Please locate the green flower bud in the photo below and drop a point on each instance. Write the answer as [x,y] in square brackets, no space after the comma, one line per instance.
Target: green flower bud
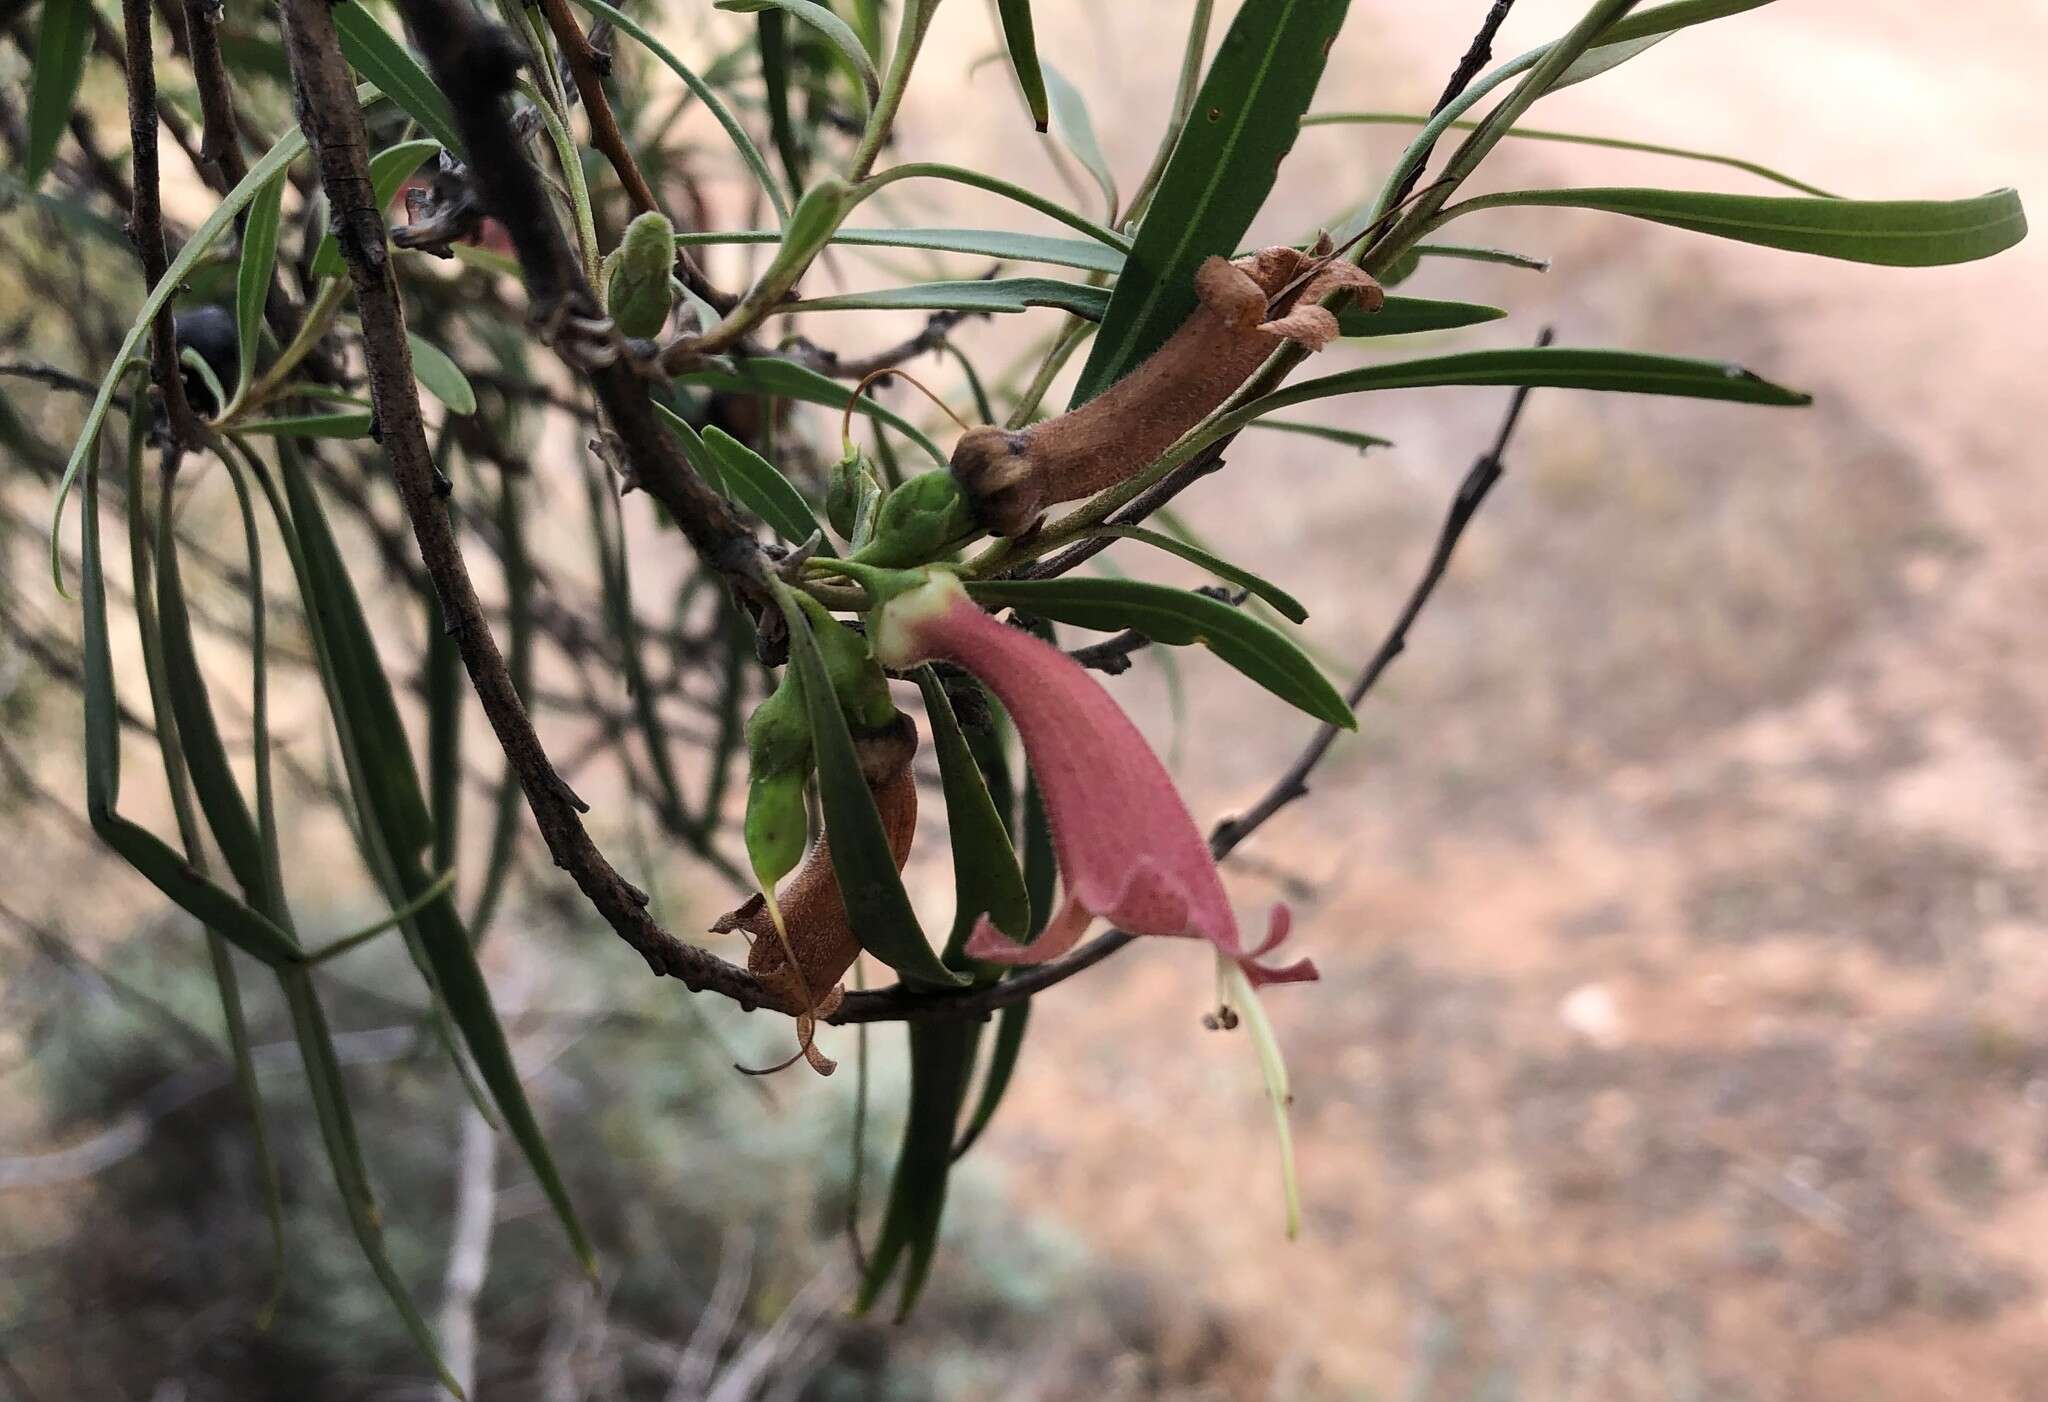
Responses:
[857,679]
[636,276]
[775,826]
[917,522]
[779,763]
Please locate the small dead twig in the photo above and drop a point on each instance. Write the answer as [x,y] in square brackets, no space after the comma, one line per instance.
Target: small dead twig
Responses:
[146,219]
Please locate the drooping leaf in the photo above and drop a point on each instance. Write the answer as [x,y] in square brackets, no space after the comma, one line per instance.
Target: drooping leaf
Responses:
[252,276]
[1889,233]
[205,754]
[152,858]
[389,170]
[1089,254]
[1022,45]
[373,52]
[877,906]
[329,1094]
[837,33]
[785,379]
[941,1057]
[388,793]
[995,296]
[1011,1024]
[1176,617]
[440,376]
[1288,606]
[986,880]
[1243,123]
[1076,130]
[63,38]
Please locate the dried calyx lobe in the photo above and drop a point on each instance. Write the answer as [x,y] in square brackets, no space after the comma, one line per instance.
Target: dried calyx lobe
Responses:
[1246,311]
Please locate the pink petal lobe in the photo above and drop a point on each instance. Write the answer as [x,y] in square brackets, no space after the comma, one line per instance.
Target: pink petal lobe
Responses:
[1128,848]
[1061,934]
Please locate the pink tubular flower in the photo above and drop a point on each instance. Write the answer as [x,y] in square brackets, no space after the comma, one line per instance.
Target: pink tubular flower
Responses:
[1128,849]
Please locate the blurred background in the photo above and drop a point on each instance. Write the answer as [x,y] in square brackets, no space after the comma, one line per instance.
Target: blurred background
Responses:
[1679,904]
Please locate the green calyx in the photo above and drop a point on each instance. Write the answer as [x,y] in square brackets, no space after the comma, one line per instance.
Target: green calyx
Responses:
[918,522]
[779,764]
[636,277]
[857,680]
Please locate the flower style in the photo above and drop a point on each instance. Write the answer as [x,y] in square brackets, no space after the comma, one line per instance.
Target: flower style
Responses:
[1128,849]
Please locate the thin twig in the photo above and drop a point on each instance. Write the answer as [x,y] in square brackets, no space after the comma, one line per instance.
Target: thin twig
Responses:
[894,1003]
[146,220]
[220,149]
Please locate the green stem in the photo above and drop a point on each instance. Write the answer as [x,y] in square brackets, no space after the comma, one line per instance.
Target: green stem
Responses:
[1183,103]
[910,32]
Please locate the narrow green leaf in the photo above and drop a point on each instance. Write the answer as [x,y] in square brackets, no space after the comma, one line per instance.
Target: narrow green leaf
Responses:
[373,52]
[995,296]
[737,134]
[389,170]
[1408,316]
[1008,189]
[941,1058]
[1288,606]
[986,880]
[205,754]
[1177,617]
[1243,123]
[288,147]
[748,478]
[252,276]
[507,809]
[1889,233]
[765,491]
[219,954]
[446,688]
[363,694]
[388,793]
[837,33]
[785,379]
[1607,143]
[63,38]
[1560,367]
[1634,34]
[1088,254]
[1076,131]
[1022,45]
[1364,442]
[1011,1024]
[771,29]
[876,904]
[329,1093]
[1507,257]
[440,376]
[348,425]
[176,878]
